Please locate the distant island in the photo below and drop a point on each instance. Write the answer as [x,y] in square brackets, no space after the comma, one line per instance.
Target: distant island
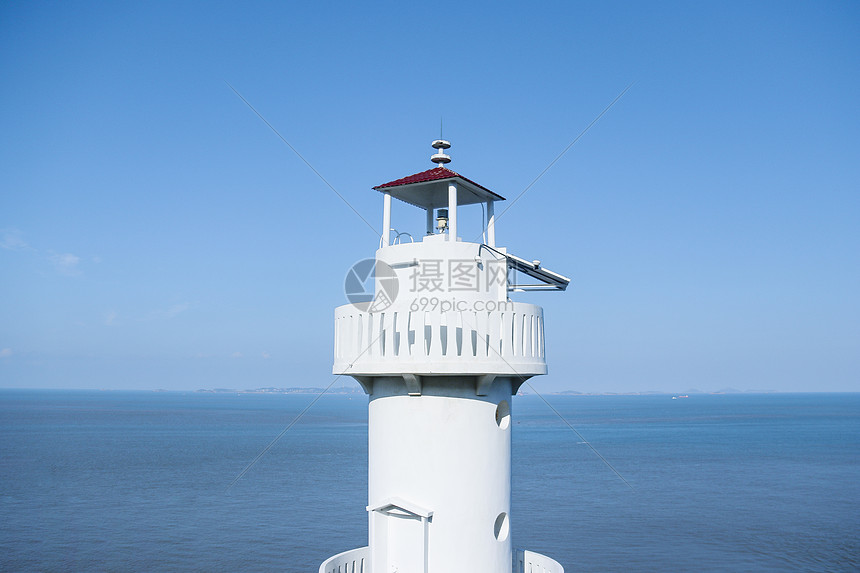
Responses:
[296,390]
[357,390]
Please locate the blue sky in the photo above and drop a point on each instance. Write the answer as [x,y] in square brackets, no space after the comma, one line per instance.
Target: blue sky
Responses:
[156,234]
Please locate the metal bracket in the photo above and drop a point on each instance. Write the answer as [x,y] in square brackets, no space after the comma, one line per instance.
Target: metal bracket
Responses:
[484,382]
[413,384]
[366,383]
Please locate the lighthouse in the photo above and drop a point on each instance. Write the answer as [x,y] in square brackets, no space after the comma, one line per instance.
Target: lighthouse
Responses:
[435,340]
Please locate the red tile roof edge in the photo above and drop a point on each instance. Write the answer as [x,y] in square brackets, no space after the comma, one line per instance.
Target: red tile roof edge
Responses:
[435,174]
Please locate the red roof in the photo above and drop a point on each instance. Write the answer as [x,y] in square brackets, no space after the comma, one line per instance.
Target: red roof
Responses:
[435,174]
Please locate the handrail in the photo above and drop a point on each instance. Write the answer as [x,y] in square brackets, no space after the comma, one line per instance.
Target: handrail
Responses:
[397,235]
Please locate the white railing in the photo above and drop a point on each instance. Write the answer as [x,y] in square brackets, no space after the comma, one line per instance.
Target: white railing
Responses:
[508,341]
[531,562]
[352,561]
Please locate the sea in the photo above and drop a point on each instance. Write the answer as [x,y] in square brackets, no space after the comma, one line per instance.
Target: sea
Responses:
[147,481]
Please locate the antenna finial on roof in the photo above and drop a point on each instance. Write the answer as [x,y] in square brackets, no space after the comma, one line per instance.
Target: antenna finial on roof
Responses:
[440,158]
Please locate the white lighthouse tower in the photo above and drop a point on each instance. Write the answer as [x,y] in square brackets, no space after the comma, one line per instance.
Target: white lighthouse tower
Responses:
[440,348]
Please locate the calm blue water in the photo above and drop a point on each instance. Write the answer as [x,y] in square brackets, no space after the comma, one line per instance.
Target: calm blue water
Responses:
[114,481]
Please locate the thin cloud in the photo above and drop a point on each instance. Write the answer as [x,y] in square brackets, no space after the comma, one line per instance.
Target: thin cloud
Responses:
[11,240]
[110,319]
[171,312]
[65,264]
[176,309]
[6,353]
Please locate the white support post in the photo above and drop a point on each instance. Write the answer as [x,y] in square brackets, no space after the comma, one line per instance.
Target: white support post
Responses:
[491,223]
[452,212]
[386,218]
[429,220]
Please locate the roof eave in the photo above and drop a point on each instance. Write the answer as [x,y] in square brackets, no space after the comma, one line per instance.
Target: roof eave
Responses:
[476,188]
